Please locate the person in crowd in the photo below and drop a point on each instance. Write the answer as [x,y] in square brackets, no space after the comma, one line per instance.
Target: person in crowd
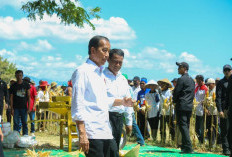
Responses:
[166,109]
[141,113]
[33,94]
[1,139]
[174,81]
[20,102]
[90,103]
[8,111]
[54,90]
[117,87]
[200,94]
[228,108]
[68,91]
[136,87]
[153,100]
[135,129]
[221,94]
[3,95]
[38,87]
[211,113]
[183,96]
[43,94]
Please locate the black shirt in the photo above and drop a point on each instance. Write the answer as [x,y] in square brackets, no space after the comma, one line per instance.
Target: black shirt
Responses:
[228,102]
[221,94]
[3,92]
[183,93]
[19,92]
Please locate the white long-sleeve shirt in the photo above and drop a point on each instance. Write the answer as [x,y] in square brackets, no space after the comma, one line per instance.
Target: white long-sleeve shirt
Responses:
[117,87]
[43,96]
[90,102]
[166,95]
[151,100]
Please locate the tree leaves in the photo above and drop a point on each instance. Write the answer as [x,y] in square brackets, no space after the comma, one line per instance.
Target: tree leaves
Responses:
[66,10]
[7,70]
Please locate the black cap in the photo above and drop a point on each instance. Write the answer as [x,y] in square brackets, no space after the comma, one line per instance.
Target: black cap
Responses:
[174,80]
[27,79]
[136,78]
[227,66]
[183,64]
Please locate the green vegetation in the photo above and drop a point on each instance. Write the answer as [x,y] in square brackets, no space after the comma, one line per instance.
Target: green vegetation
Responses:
[69,12]
[7,69]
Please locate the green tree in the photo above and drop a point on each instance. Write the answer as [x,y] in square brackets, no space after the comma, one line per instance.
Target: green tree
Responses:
[7,70]
[68,11]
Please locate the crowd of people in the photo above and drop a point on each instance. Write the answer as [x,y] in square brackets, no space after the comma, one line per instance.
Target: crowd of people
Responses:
[104,99]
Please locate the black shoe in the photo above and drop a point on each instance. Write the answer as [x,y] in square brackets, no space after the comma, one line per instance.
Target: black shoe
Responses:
[226,152]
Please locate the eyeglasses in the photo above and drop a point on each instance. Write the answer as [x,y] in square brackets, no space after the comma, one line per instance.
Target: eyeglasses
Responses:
[142,83]
[226,70]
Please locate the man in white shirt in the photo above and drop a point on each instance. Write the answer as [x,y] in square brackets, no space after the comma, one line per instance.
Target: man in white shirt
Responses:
[90,103]
[136,88]
[117,87]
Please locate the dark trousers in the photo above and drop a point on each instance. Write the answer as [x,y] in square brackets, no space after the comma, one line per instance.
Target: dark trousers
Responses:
[211,129]
[199,128]
[141,124]
[164,120]
[1,149]
[102,148]
[183,121]
[230,132]
[116,121]
[20,115]
[8,115]
[224,126]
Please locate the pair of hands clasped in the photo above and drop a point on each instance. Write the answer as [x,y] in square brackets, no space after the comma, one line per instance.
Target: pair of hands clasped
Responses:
[128,102]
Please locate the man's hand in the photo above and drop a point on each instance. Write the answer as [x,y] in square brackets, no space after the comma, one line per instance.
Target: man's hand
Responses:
[221,114]
[6,106]
[34,107]
[28,111]
[207,112]
[1,135]
[12,112]
[129,129]
[84,142]
[128,102]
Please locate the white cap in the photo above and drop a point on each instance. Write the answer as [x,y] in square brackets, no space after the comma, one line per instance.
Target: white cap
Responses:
[210,80]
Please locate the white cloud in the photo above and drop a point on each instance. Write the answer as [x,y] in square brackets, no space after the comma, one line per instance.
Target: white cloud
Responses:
[39,46]
[190,58]
[13,3]
[115,28]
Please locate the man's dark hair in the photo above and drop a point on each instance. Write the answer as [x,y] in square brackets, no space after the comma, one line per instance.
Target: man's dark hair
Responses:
[200,77]
[94,42]
[116,51]
[18,71]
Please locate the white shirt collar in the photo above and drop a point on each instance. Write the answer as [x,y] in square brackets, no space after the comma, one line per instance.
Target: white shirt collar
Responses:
[108,72]
[94,66]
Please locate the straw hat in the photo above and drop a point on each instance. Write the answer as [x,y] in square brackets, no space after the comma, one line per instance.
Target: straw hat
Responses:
[165,81]
[53,84]
[152,83]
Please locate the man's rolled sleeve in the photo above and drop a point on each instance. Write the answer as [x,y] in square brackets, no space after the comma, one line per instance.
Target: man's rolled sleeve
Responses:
[78,108]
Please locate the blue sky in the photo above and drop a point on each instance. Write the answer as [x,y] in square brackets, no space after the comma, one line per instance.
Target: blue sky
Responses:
[154,34]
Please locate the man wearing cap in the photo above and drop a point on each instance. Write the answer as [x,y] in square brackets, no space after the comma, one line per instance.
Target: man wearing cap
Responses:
[211,113]
[141,113]
[32,108]
[183,96]
[90,103]
[20,102]
[117,87]
[3,95]
[228,107]
[200,94]
[174,81]
[221,107]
